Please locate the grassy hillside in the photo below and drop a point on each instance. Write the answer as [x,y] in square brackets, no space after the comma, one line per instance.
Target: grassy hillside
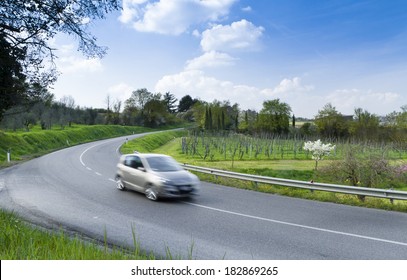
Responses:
[25,145]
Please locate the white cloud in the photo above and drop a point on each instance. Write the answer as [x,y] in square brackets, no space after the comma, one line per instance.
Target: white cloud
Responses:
[247,9]
[120,91]
[240,35]
[210,60]
[69,61]
[346,100]
[74,64]
[292,85]
[172,16]
[197,84]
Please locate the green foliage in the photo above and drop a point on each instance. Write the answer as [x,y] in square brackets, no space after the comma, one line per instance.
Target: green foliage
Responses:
[274,117]
[331,123]
[370,169]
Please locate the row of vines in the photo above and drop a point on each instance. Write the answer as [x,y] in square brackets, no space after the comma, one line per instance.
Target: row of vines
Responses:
[232,146]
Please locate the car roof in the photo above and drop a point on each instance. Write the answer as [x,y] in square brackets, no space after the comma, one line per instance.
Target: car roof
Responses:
[146,155]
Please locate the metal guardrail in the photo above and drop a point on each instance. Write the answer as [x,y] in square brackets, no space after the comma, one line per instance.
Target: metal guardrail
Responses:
[381,193]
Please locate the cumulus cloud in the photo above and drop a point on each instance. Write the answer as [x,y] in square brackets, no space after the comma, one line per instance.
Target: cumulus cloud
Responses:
[240,35]
[209,60]
[292,85]
[197,84]
[69,61]
[346,100]
[120,91]
[217,41]
[172,17]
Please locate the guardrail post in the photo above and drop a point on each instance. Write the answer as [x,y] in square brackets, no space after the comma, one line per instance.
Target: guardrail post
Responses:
[8,155]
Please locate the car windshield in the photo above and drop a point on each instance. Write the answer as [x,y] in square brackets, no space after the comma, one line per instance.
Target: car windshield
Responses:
[163,164]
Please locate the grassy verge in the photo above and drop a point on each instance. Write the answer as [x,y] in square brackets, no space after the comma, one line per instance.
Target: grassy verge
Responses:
[26,145]
[289,169]
[19,241]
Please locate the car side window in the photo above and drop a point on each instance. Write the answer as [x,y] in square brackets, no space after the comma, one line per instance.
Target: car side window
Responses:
[133,162]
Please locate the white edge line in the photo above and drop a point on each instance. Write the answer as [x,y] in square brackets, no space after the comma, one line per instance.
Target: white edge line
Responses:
[298,225]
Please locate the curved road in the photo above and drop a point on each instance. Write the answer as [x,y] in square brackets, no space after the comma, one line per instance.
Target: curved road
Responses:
[74,189]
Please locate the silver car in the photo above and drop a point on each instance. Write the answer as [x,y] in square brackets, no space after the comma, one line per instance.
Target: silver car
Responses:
[156,175]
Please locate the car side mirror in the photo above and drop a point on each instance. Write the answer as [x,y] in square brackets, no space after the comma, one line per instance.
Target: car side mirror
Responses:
[141,169]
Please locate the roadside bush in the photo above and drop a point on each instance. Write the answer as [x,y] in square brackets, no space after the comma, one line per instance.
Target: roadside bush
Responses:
[371,171]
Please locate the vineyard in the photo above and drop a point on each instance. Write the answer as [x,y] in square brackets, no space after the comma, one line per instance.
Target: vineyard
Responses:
[237,147]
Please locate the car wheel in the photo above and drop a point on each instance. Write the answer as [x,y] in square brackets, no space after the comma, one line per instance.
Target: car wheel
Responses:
[151,193]
[120,184]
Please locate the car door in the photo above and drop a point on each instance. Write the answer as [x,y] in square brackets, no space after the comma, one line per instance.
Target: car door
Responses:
[134,176]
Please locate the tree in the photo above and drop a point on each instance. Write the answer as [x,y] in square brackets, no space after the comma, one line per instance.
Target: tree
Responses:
[186,103]
[365,125]
[26,27]
[318,150]
[274,116]
[140,98]
[12,79]
[330,122]
[155,112]
[170,100]
[247,121]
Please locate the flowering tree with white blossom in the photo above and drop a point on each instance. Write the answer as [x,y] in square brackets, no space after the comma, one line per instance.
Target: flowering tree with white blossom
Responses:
[318,149]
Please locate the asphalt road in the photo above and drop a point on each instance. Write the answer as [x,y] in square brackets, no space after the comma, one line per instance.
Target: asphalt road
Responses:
[74,189]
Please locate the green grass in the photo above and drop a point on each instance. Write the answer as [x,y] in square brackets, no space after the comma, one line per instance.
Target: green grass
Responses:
[26,145]
[152,142]
[20,241]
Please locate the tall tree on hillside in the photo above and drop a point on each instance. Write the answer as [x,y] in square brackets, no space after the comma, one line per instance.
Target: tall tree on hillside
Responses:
[26,27]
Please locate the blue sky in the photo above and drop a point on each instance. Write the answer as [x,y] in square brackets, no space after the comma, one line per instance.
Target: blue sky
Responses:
[352,54]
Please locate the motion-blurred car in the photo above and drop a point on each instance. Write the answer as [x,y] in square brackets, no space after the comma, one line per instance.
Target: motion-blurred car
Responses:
[155,175]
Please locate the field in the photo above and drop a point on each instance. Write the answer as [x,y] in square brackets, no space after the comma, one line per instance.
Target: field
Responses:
[276,157]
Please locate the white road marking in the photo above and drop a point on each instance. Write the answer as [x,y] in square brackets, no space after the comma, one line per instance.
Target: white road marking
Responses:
[97,173]
[110,179]
[298,225]
[88,168]
[81,156]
